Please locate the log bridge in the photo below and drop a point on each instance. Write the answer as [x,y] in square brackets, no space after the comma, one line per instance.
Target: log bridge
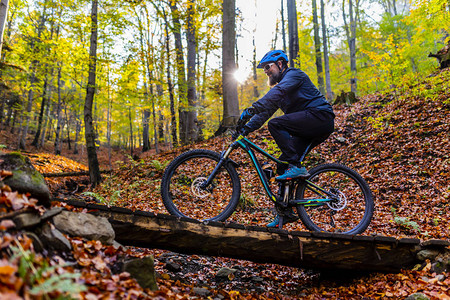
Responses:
[310,250]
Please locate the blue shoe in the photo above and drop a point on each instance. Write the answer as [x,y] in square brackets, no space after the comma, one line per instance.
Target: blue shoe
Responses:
[289,218]
[274,223]
[293,172]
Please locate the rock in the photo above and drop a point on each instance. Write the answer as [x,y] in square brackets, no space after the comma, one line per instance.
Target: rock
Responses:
[27,219]
[440,277]
[51,213]
[257,279]
[340,139]
[417,296]
[142,269]
[25,179]
[37,243]
[225,272]
[85,225]
[438,267]
[202,292]
[173,266]
[427,254]
[54,239]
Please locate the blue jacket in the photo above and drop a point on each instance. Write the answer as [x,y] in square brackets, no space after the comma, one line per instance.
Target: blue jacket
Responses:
[295,92]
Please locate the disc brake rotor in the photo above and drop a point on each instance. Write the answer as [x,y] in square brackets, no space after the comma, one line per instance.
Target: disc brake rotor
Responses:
[340,203]
[197,189]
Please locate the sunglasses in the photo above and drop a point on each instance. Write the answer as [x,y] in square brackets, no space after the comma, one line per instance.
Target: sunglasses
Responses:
[268,66]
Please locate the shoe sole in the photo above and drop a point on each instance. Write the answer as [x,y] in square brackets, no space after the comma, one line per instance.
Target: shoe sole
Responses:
[297,177]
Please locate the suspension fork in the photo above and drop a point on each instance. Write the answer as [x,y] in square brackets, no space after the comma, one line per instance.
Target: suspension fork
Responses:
[223,159]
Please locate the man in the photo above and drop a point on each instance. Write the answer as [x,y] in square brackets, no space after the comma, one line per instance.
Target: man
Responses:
[308,118]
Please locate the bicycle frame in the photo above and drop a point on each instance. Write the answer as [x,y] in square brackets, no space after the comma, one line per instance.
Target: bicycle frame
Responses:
[249,147]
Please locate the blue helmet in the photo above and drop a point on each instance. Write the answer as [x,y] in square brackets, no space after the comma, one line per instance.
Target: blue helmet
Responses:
[272,56]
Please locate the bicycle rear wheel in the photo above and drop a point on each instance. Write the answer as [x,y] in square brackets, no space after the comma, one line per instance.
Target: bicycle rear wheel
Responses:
[352,209]
[181,187]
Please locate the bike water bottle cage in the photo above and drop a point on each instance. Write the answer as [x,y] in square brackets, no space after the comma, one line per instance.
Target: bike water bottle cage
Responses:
[272,56]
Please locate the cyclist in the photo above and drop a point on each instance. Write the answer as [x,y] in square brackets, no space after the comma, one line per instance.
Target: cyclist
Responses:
[308,118]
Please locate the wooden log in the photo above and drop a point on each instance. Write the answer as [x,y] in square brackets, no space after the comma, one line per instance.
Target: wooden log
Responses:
[315,250]
[70,174]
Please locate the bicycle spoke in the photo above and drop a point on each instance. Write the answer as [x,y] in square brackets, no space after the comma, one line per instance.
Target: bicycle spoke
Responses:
[186,195]
[351,206]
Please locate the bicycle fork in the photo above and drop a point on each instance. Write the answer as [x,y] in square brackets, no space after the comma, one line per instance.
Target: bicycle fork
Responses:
[214,172]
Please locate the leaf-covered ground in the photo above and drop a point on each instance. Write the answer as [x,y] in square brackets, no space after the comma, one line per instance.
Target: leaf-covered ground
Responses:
[399,142]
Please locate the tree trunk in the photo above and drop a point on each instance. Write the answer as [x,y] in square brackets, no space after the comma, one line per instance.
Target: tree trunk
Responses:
[131,130]
[41,142]
[94,168]
[303,249]
[329,94]
[255,74]
[293,32]
[150,53]
[146,112]
[69,146]
[229,84]
[173,118]
[351,40]
[182,86]
[319,66]
[160,92]
[192,130]
[283,30]
[3,16]
[59,118]
[41,115]
[108,121]
[77,134]
[33,79]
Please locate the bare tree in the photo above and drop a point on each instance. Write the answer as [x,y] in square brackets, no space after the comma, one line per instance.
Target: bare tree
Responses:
[319,66]
[293,32]
[350,30]
[325,51]
[173,118]
[3,15]
[192,130]
[229,84]
[181,73]
[94,168]
[283,31]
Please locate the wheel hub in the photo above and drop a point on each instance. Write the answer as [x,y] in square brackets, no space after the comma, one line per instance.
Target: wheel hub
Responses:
[196,187]
[340,202]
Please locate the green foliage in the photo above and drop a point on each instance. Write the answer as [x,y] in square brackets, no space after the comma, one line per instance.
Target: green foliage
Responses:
[159,166]
[108,201]
[246,201]
[404,222]
[2,146]
[43,279]
[100,198]
[132,69]
[271,147]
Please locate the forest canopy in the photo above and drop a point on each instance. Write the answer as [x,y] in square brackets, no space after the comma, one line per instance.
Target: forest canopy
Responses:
[159,68]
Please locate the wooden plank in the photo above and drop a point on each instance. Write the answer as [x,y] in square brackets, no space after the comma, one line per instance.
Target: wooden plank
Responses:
[298,249]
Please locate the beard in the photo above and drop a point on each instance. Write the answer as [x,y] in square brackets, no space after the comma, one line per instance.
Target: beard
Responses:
[273,79]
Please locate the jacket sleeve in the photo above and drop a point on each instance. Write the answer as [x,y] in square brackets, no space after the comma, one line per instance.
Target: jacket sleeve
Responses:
[266,106]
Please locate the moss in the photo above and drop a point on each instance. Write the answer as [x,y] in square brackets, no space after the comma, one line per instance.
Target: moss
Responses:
[36,177]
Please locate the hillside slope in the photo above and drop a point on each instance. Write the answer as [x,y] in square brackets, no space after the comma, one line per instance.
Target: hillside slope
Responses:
[399,142]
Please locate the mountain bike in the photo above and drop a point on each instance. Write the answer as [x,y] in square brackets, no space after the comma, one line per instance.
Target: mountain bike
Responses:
[204,185]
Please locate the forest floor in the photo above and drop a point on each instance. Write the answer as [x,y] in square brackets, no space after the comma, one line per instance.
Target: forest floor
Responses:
[399,142]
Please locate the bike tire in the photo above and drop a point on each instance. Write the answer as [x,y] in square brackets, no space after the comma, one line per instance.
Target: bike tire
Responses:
[180,190]
[354,217]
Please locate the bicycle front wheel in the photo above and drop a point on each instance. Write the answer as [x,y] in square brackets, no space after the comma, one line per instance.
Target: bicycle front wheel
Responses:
[182,192]
[352,208]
